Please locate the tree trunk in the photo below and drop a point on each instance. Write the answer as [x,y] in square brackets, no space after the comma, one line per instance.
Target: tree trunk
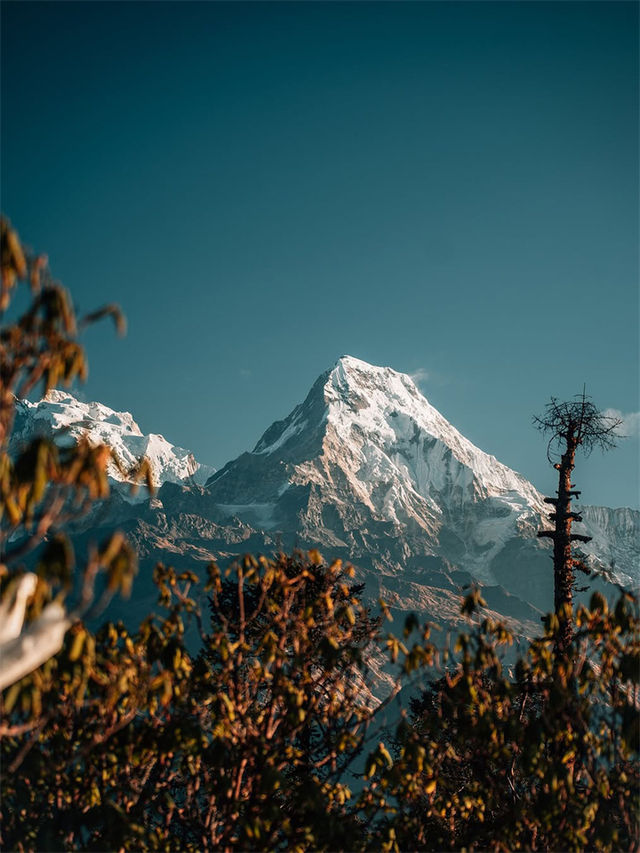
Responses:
[562,560]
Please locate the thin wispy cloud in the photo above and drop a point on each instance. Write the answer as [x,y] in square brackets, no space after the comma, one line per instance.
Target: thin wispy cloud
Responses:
[630,426]
[420,376]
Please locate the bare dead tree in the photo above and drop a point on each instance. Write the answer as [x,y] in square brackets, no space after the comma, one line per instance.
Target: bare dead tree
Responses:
[573,424]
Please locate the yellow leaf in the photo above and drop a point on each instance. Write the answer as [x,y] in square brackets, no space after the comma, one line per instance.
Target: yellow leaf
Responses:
[77,645]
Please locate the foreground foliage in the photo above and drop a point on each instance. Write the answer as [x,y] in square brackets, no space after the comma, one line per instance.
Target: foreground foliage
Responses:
[540,757]
[266,737]
[43,486]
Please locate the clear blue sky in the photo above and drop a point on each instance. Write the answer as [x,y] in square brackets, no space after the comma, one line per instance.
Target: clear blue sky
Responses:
[450,188]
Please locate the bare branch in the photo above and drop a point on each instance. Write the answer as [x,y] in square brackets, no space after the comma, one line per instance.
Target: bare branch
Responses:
[578,421]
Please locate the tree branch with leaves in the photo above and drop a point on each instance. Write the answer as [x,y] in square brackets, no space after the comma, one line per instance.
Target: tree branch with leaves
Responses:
[44,486]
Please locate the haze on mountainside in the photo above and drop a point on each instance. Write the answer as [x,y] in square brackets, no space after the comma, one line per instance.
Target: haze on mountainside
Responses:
[364,469]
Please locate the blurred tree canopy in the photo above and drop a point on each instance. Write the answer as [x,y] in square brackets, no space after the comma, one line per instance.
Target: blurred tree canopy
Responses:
[44,486]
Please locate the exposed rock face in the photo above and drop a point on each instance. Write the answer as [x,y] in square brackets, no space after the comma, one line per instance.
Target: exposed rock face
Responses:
[616,541]
[364,469]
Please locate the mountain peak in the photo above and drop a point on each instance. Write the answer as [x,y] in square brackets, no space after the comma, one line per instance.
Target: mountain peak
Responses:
[357,412]
[365,449]
[356,367]
[367,458]
[371,406]
[350,362]
[352,376]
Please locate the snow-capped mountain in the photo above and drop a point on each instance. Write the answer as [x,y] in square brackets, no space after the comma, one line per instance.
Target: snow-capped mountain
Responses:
[60,414]
[368,447]
[364,469]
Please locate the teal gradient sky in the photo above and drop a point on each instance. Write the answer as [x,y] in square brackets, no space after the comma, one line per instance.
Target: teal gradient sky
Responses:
[450,189]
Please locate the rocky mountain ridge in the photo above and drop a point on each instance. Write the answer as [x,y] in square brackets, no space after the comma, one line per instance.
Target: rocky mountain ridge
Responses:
[364,469]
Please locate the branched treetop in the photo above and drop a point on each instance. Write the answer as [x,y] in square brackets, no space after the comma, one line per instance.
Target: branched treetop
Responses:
[577,422]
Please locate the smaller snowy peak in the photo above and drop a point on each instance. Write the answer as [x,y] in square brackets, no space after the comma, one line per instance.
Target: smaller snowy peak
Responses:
[63,416]
[61,409]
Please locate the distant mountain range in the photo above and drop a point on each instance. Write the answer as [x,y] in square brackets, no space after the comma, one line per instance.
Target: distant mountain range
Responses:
[364,469]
